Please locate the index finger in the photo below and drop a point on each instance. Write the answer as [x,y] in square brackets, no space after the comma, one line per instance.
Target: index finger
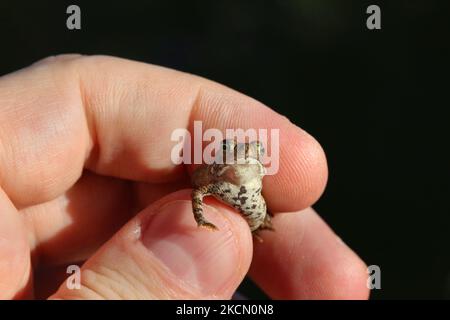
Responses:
[115,117]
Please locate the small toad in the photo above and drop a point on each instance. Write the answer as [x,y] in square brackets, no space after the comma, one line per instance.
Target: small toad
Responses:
[234,178]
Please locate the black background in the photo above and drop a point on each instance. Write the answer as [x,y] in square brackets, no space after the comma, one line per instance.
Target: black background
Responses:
[376,100]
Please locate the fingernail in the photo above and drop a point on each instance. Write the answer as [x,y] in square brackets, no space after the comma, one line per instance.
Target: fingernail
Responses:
[205,260]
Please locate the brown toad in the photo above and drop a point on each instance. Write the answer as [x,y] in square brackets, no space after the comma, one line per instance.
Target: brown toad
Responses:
[234,178]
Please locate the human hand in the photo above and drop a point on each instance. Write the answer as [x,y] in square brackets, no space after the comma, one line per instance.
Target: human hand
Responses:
[85,178]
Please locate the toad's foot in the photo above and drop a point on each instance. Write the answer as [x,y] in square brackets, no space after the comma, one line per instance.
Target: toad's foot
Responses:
[267,224]
[257,236]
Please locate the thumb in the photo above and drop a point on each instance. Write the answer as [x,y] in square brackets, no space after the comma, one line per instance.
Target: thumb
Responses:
[162,254]
[15,264]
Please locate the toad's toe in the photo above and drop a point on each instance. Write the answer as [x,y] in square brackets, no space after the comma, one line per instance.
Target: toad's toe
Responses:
[208,225]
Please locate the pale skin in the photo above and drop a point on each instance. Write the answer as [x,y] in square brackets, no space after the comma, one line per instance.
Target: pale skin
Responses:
[83,180]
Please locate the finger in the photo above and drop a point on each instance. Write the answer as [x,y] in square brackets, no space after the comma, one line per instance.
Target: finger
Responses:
[307,261]
[116,118]
[47,279]
[15,266]
[74,225]
[147,193]
[161,254]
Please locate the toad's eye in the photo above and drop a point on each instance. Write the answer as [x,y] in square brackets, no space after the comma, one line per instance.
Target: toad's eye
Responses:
[227,145]
[259,148]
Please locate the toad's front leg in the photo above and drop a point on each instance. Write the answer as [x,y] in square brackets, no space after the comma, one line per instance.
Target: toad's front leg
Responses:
[197,206]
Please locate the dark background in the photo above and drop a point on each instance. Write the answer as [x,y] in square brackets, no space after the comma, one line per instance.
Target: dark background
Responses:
[376,100]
